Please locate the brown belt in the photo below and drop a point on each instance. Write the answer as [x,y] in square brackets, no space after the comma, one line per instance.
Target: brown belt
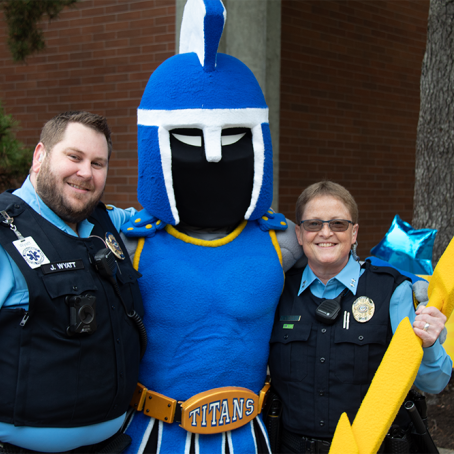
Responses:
[213,411]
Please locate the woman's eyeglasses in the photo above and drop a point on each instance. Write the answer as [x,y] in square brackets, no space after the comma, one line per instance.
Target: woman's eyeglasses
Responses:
[315,225]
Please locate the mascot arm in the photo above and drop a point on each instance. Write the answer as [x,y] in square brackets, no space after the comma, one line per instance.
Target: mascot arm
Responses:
[290,248]
[131,245]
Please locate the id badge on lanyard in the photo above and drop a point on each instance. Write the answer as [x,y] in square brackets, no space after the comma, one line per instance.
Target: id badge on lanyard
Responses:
[26,247]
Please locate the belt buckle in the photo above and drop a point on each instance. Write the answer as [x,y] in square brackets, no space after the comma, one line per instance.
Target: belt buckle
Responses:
[219,410]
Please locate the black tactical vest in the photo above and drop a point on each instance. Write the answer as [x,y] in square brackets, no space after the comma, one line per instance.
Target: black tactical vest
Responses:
[319,370]
[51,379]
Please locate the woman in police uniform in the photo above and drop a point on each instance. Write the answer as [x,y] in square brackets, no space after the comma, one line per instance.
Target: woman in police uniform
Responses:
[334,322]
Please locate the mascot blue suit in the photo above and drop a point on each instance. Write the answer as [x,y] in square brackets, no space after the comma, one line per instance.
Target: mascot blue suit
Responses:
[210,248]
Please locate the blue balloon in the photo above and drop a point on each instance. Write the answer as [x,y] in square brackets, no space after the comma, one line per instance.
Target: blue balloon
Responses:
[407,248]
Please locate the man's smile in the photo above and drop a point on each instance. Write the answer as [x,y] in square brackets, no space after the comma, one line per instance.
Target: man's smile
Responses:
[79,187]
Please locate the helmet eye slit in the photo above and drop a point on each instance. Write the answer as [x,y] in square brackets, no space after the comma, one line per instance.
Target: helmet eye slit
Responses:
[195,141]
[229,140]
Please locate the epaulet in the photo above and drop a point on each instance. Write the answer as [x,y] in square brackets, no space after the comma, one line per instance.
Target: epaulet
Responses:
[104,207]
[272,221]
[142,224]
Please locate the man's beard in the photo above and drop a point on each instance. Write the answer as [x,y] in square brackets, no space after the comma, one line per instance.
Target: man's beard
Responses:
[46,188]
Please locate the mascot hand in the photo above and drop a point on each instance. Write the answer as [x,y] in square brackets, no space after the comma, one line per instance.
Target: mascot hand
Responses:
[420,291]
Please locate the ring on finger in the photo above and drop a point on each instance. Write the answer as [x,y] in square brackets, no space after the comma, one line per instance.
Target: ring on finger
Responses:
[426,327]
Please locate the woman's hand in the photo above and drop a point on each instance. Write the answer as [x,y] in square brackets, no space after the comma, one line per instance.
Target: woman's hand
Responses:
[428,324]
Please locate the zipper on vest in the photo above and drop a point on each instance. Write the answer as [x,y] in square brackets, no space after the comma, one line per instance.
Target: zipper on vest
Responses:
[25,319]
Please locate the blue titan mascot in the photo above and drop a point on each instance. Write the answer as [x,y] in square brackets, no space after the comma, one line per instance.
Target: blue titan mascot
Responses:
[208,251]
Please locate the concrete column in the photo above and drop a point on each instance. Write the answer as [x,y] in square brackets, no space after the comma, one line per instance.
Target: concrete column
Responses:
[246,32]
[179,6]
[253,35]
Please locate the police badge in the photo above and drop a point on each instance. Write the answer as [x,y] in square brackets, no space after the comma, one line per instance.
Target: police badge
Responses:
[113,245]
[363,309]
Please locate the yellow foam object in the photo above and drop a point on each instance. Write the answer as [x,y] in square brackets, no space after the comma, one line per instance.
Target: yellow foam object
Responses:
[386,394]
[441,285]
[344,441]
[449,342]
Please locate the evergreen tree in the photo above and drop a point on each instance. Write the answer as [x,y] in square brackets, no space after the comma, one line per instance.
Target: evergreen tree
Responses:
[24,38]
[15,159]
[22,17]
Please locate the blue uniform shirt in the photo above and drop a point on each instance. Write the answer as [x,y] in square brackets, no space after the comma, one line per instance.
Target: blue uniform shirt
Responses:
[436,365]
[14,292]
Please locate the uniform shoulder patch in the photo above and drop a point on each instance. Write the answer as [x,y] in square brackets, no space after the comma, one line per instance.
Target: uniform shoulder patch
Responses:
[141,225]
[272,221]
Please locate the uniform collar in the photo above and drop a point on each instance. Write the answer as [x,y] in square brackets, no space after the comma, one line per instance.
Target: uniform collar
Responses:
[347,278]
[28,194]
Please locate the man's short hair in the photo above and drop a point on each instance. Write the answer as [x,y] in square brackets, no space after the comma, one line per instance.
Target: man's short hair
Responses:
[55,128]
[326,188]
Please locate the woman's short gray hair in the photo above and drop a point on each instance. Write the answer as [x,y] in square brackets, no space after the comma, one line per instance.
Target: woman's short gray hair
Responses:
[326,188]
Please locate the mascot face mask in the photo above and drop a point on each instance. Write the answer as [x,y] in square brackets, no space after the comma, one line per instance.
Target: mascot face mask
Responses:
[205,155]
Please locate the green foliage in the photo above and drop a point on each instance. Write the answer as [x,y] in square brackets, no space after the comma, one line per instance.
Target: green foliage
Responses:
[22,17]
[15,159]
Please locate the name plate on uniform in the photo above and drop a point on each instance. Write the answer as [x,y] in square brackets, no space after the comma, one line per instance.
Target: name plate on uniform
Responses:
[290,318]
[219,410]
[57,267]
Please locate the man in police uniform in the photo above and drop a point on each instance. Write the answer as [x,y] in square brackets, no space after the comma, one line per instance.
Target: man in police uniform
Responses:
[70,347]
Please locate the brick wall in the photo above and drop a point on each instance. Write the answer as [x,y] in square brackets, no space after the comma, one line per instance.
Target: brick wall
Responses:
[349,92]
[99,57]
[349,104]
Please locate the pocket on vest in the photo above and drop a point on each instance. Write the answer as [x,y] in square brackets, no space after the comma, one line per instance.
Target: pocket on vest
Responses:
[289,351]
[358,352]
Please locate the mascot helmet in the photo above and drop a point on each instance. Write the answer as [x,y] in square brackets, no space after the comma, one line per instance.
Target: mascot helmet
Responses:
[203,90]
